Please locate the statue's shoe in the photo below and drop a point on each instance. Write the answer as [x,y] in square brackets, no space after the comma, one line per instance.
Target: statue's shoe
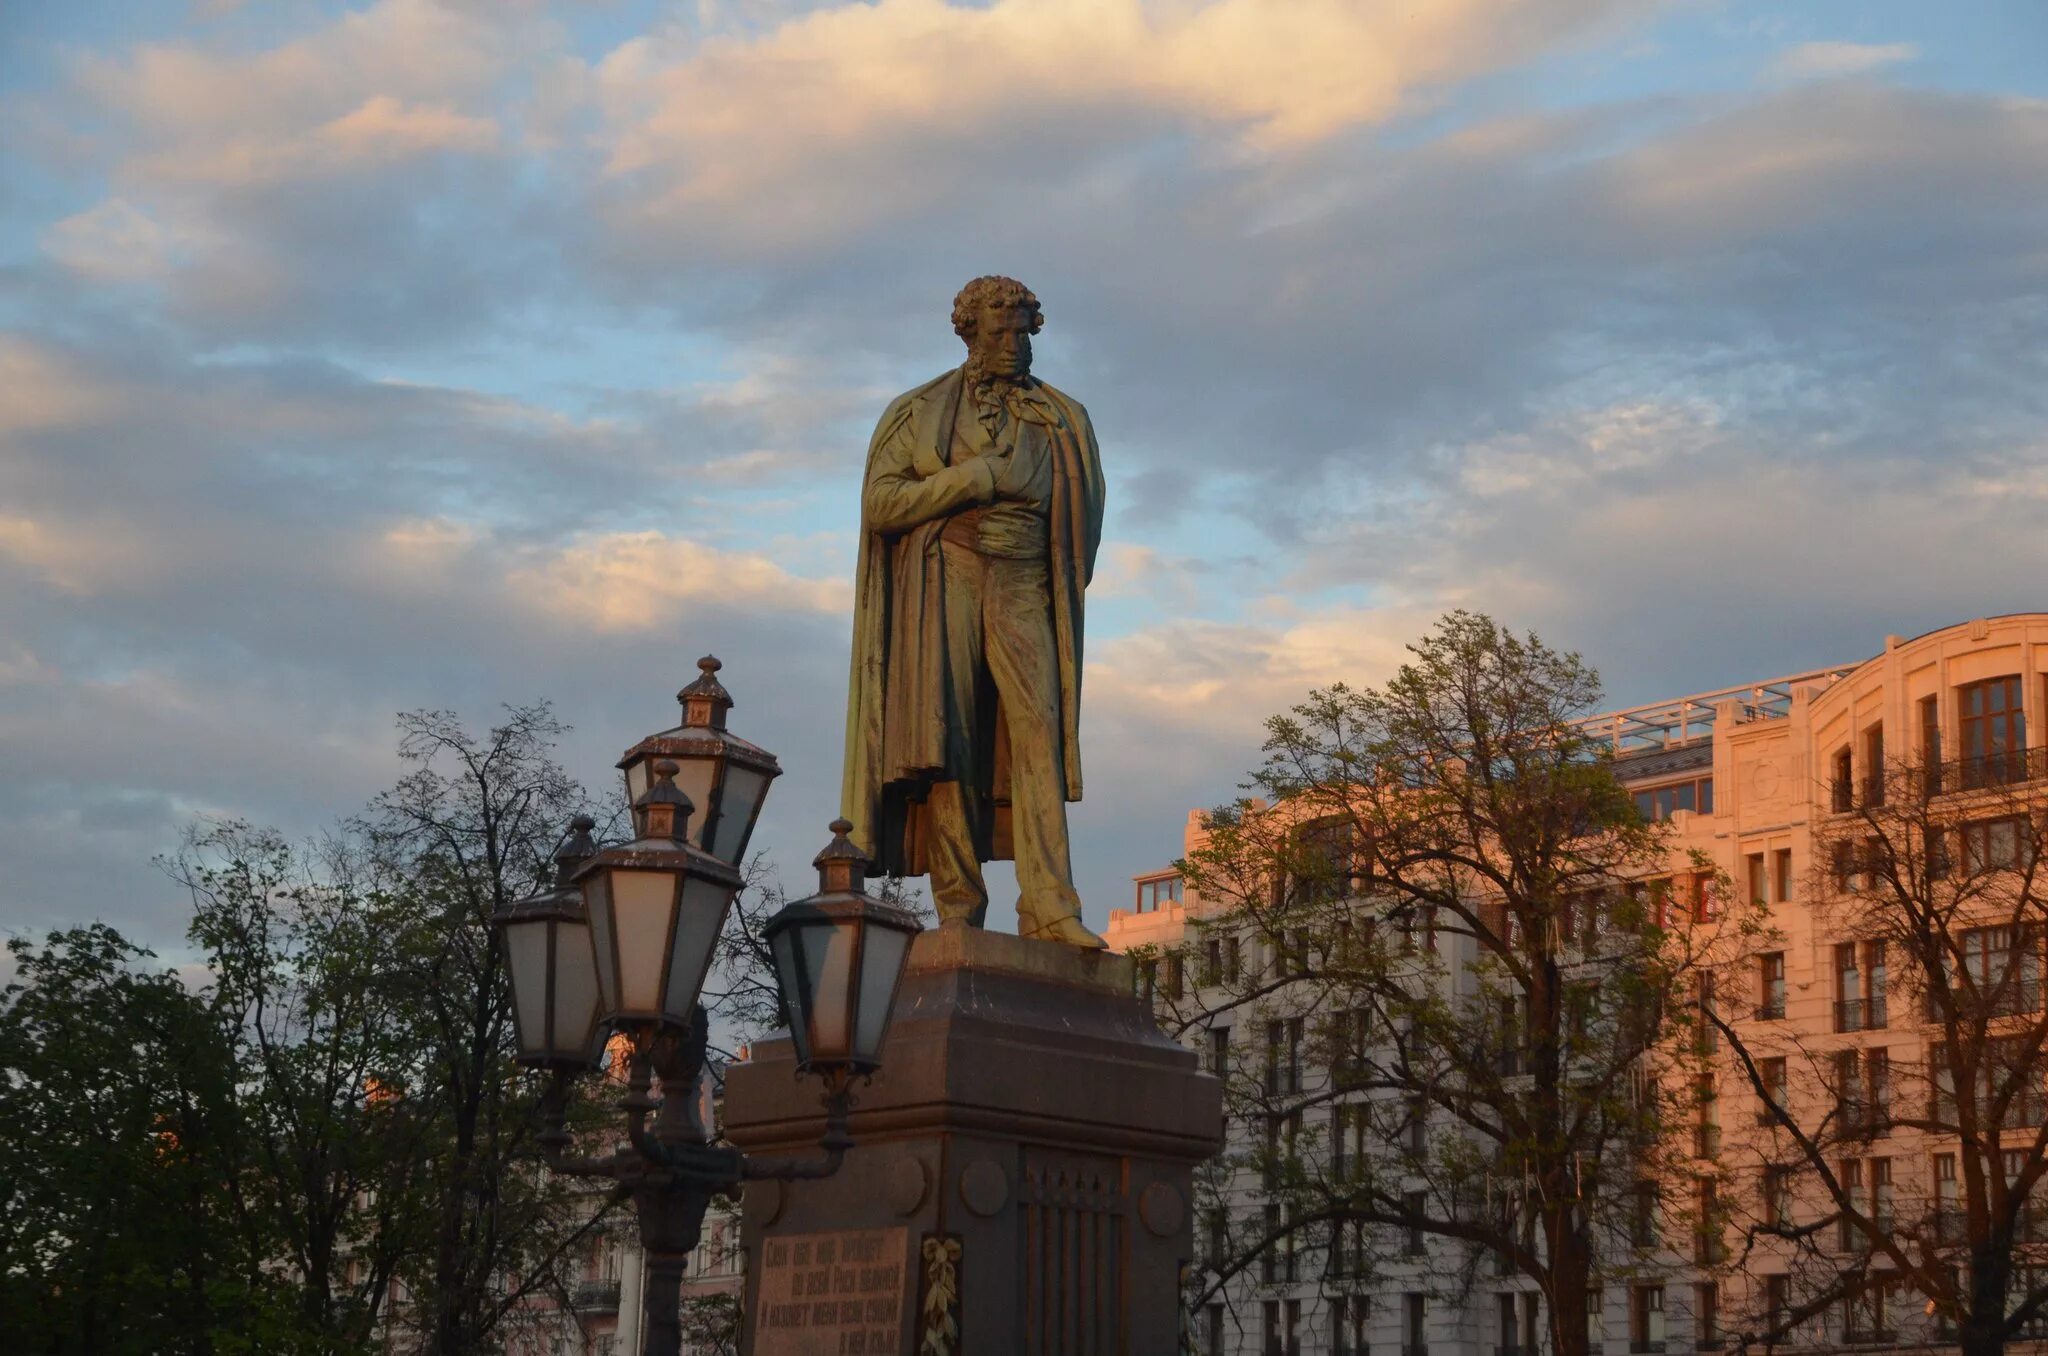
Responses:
[1066,929]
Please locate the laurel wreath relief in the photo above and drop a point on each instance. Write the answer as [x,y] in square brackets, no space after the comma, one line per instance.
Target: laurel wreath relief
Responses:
[941,1296]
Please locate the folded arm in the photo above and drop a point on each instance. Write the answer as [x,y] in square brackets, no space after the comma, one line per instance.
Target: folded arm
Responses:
[897,498]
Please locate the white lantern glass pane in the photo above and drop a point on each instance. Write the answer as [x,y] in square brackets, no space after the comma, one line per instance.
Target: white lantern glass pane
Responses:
[575,989]
[785,946]
[642,904]
[597,898]
[828,958]
[637,775]
[526,951]
[693,779]
[744,789]
[696,935]
[880,963]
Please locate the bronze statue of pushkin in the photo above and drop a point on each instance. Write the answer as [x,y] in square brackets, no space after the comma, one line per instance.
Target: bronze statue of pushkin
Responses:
[981,511]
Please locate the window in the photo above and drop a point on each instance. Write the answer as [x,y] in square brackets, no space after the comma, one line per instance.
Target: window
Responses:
[1706,1316]
[2004,968]
[1415,1205]
[1643,1219]
[1996,844]
[1994,733]
[1844,781]
[1270,1327]
[1212,1330]
[1778,1197]
[1881,1199]
[1758,880]
[1873,765]
[1930,740]
[1710,1035]
[1867,1314]
[1661,802]
[1269,1256]
[1176,975]
[1848,988]
[1707,1130]
[1775,1089]
[1219,1051]
[1414,1321]
[1851,1177]
[1276,1065]
[1862,1092]
[1158,892]
[1948,1218]
[1219,1238]
[1349,1316]
[1771,998]
[1232,960]
[1646,1319]
[1328,863]
[1707,1250]
[1781,871]
[1777,1304]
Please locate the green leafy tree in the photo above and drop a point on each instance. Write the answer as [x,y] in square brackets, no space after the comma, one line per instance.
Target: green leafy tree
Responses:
[121,1137]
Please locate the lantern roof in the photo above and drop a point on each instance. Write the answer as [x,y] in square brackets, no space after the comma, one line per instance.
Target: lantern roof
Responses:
[842,889]
[702,732]
[563,899]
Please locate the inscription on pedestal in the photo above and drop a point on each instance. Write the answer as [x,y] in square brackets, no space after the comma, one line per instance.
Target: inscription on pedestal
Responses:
[832,1294]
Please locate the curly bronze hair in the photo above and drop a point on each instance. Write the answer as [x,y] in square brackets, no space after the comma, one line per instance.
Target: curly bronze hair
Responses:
[992,289]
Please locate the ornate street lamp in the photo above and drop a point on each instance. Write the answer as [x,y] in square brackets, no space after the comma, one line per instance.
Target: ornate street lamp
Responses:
[552,967]
[630,932]
[657,906]
[838,956]
[724,777]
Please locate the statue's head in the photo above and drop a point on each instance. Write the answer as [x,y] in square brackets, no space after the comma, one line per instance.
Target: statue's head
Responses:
[997,316]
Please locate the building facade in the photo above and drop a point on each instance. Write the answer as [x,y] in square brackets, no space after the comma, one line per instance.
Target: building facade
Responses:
[1762,785]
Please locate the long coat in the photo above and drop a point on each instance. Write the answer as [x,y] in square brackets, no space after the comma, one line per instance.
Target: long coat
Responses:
[896,736]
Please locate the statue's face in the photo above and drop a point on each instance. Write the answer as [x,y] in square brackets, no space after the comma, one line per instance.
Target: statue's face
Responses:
[1002,341]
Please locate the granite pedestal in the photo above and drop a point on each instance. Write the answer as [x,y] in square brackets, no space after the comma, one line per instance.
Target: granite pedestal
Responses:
[1022,1176]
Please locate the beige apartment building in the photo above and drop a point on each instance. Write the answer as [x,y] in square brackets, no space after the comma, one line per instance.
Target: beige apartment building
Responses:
[1757,778]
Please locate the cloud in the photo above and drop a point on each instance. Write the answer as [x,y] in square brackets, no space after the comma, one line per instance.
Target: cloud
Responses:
[1830,60]
[645,581]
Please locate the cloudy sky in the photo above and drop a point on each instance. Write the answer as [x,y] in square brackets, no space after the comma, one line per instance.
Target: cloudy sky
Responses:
[358,358]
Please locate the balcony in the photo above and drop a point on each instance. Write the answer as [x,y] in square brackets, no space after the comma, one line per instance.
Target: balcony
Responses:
[1510,1062]
[1772,1009]
[1646,1346]
[1870,1120]
[2013,767]
[595,1297]
[1860,1014]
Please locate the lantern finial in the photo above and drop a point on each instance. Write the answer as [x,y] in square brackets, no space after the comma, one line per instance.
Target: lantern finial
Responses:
[663,810]
[575,850]
[705,701]
[842,867]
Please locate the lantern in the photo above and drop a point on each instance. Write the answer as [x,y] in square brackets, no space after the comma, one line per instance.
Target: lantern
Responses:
[657,906]
[725,777]
[838,957]
[549,959]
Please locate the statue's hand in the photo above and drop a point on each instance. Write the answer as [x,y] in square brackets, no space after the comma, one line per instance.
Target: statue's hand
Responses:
[999,464]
